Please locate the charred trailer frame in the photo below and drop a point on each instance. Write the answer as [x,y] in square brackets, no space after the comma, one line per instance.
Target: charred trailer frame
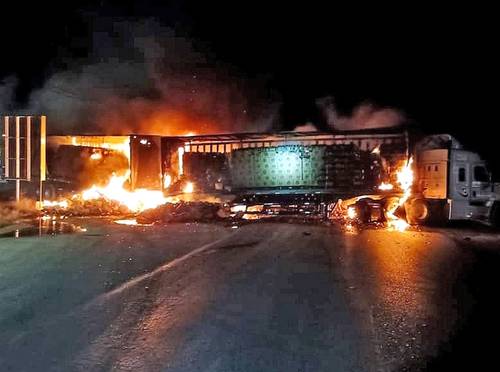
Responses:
[337,163]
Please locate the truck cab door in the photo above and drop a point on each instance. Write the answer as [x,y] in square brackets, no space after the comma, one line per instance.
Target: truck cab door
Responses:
[459,190]
[480,183]
[469,191]
[460,181]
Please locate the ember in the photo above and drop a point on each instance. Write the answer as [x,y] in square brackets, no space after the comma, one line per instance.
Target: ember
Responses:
[385,186]
[182,212]
[351,213]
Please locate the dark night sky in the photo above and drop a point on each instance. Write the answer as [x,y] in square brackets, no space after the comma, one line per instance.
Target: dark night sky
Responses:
[438,64]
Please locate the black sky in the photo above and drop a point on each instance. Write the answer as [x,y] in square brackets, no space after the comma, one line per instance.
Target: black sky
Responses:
[439,64]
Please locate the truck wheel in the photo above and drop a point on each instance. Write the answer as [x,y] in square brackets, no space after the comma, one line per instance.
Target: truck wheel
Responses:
[417,212]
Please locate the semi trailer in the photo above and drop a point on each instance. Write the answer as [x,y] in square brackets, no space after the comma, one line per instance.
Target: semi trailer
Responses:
[450,182]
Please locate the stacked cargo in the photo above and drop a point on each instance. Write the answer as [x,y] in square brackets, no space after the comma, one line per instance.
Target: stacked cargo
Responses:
[347,167]
[284,166]
[205,169]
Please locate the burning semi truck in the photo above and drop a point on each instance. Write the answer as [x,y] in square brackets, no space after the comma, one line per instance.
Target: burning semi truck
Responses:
[384,176]
[441,181]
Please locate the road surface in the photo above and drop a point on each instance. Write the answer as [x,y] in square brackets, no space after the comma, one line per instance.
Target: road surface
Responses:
[260,297]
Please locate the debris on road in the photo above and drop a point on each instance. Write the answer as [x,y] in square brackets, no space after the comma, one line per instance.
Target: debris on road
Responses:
[183,212]
[79,207]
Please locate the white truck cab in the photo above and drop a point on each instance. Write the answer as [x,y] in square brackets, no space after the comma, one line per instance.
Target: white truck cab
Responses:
[452,183]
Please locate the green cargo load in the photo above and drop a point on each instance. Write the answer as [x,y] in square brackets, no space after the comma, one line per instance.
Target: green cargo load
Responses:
[284,166]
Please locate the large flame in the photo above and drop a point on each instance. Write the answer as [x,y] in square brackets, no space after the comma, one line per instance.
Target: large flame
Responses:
[136,201]
[115,143]
[404,177]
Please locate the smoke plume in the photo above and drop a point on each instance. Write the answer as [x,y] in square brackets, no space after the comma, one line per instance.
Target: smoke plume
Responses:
[364,116]
[141,77]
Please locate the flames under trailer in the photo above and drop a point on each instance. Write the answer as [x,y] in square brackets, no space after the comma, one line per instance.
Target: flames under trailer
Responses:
[291,170]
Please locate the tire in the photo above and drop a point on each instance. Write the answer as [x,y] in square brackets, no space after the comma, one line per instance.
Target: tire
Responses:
[363,210]
[417,212]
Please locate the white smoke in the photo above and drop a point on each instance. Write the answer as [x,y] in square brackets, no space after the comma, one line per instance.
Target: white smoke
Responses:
[308,127]
[364,116]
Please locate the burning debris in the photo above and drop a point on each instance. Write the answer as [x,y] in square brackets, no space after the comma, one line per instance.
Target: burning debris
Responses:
[183,212]
[160,169]
[110,199]
[383,208]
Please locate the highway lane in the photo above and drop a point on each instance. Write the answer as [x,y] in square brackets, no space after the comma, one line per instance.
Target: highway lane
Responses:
[264,296]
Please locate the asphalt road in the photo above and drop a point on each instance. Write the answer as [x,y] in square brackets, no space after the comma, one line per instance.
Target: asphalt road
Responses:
[262,297]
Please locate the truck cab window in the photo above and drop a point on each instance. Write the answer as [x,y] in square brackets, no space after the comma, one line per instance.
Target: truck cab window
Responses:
[461,174]
[481,174]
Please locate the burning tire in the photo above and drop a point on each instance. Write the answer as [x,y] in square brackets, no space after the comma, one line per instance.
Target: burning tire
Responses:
[368,210]
[417,212]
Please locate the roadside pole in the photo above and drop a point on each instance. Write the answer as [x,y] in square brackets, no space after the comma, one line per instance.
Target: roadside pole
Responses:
[23,151]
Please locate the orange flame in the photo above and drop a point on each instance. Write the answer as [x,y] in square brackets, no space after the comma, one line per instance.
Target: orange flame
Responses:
[96,156]
[167,180]
[404,177]
[351,213]
[385,186]
[136,201]
[189,188]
